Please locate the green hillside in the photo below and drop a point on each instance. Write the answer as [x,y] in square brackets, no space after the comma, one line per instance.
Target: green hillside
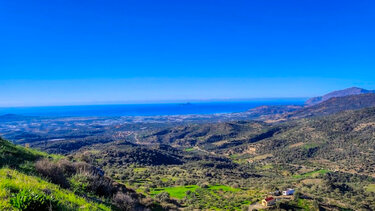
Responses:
[332,140]
[32,180]
[20,189]
[17,157]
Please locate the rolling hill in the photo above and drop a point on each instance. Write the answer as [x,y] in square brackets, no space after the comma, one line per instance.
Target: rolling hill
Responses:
[332,138]
[209,135]
[343,142]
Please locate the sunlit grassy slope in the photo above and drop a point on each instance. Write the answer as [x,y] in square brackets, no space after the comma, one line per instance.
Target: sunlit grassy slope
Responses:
[17,174]
[12,181]
[16,156]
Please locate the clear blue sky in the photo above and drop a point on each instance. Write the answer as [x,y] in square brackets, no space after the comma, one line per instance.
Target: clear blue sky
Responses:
[82,52]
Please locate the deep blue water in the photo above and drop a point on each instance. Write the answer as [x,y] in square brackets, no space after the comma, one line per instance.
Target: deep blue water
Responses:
[146,109]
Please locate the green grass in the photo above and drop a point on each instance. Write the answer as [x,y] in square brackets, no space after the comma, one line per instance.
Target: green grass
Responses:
[223,188]
[17,170]
[370,188]
[264,167]
[17,157]
[178,192]
[164,179]
[311,174]
[12,181]
[189,149]
[310,145]
[234,156]
[139,169]
[213,197]
[21,158]
[305,204]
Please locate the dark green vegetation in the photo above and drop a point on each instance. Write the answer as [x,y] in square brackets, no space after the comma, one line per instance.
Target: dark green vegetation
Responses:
[325,152]
[233,164]
[329,159]
[207,135]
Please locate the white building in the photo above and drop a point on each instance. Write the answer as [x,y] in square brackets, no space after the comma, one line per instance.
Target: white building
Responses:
[288,192]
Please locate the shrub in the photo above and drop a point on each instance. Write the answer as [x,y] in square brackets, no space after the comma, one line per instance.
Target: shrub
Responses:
[78,184]
[203,185]
[57,172]
[124,201]
[101,186]
[52,171]
[163,197]
[86,182]
[31,200]
[297,196]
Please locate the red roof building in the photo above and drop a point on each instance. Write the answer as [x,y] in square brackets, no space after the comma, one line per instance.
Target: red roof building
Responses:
[269,201]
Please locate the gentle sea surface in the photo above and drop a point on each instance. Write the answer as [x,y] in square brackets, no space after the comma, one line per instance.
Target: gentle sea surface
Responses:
[147,109]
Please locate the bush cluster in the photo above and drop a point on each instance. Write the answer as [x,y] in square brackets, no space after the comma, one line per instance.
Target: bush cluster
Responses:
[31,200]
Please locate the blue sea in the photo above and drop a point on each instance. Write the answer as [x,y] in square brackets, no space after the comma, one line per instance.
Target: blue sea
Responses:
[146,109]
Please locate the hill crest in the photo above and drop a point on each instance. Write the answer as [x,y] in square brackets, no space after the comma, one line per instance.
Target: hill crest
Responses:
[338,93]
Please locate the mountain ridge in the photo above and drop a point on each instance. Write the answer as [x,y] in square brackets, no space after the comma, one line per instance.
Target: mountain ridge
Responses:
[334,105]
[338,93]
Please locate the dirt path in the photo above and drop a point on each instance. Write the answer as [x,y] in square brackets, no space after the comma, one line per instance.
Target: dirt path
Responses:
[256,205]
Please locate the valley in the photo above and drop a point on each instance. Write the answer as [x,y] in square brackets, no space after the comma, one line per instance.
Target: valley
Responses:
[325,152]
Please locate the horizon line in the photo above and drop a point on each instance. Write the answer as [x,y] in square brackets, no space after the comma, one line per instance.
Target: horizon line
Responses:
[145,102]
